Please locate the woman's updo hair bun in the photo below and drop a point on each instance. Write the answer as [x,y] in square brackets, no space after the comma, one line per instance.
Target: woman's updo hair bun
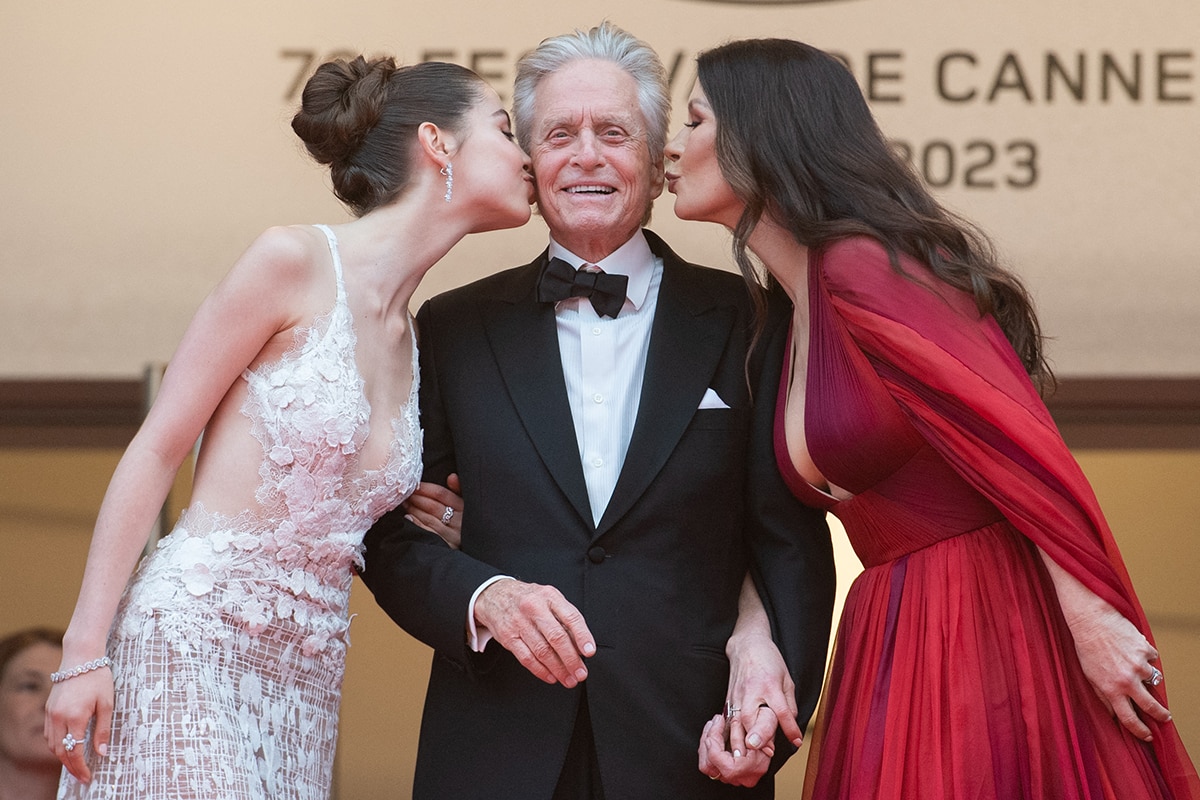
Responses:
[342,101]
[361,117]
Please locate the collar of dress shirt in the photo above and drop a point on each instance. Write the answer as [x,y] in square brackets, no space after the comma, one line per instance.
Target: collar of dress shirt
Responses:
[632,258]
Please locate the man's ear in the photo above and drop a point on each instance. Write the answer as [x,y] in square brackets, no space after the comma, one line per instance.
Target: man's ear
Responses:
[437,144]
[657,178]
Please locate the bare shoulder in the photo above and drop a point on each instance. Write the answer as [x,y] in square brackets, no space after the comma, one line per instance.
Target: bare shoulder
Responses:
[280,277]
[285,252]
[284,263]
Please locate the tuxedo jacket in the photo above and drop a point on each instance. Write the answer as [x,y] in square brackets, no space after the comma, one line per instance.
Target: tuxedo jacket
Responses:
[657,580]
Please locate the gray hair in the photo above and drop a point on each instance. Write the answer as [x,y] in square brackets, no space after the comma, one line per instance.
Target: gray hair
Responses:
[605,42]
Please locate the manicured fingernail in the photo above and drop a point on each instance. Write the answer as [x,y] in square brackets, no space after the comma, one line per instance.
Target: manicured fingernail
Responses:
[755,740]
[737,753]
[589,648]
[409,517]
[581,673]
[102,749]
[799,740]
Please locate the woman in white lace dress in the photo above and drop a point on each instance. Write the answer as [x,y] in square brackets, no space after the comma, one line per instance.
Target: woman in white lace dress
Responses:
[216,673]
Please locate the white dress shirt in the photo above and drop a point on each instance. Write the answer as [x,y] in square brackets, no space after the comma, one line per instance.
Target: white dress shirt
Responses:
[604,363]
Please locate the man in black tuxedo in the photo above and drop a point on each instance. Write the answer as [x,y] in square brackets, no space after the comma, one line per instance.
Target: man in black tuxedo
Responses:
[613,508]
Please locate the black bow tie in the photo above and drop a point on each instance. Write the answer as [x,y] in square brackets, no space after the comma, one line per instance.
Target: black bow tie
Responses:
[560,280]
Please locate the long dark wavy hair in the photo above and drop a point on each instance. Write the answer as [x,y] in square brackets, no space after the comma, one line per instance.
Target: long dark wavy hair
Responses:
[797,141]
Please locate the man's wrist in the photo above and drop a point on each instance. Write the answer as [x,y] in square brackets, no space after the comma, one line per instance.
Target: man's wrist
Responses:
[478,635]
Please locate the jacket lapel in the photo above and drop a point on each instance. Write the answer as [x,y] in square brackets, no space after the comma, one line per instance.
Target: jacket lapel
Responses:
[524,339]
[687,341]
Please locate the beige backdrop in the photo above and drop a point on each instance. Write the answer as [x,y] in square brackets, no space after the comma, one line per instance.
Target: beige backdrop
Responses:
[146,143]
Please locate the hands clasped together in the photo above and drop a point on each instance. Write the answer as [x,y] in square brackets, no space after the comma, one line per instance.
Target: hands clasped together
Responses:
[736,747]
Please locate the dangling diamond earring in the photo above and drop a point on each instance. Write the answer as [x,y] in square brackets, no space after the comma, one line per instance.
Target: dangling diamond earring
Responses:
[448,171]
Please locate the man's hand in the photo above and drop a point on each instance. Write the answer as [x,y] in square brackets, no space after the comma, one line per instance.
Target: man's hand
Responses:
[537,625]
[725,757]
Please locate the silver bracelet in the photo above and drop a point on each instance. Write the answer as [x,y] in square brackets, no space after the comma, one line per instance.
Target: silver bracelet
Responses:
[96,663]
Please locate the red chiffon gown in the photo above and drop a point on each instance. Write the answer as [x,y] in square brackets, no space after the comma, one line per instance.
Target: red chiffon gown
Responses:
[954,674]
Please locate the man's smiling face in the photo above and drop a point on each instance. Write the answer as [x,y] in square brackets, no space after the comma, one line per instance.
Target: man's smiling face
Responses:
[594,172]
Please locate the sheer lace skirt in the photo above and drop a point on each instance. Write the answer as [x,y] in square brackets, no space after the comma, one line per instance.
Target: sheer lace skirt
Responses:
[226,689]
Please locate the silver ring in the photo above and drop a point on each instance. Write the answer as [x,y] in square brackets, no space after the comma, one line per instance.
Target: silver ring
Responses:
[447,515]
[1156,677]
[730,710]
[70,741]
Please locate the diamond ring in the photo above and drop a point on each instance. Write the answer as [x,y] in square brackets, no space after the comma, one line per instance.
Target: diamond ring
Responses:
[447,515]
[1156,677]
[730,710]
[70,741]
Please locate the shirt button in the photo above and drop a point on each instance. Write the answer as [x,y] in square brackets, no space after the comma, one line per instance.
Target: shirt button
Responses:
[599,398]
[596,555]
[596,331]
[597,462]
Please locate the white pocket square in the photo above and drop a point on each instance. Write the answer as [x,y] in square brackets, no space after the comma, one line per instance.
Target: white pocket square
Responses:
[712,400]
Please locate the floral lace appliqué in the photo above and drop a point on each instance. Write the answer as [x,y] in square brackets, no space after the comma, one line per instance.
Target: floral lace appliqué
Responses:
[230,642]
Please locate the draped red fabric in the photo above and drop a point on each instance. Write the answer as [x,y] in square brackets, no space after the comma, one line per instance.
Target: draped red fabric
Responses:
[954,672]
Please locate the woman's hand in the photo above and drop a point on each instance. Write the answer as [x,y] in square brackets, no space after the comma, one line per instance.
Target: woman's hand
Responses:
[737,747]
[761,691]
[1115,656]
[72,706]
[761,694]
[438,509]
[1119,663]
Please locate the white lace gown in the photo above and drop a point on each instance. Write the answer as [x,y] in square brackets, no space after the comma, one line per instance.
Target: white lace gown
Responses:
[229,645]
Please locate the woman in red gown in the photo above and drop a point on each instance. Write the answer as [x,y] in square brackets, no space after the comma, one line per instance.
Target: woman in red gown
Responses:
[993,646]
